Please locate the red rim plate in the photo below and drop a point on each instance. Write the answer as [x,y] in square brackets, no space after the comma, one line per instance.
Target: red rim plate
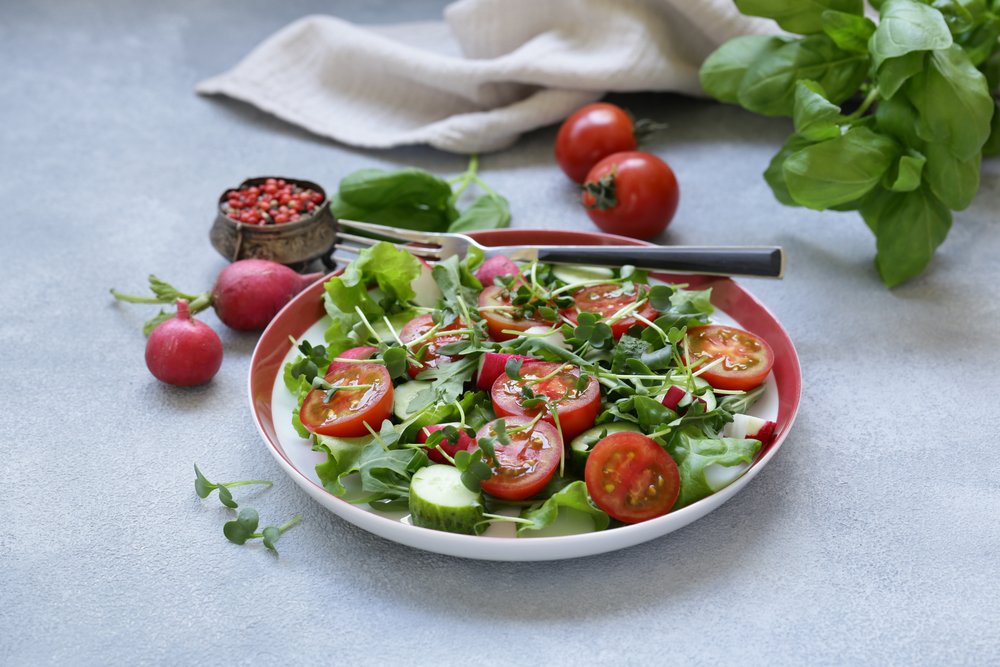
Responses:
[307,308]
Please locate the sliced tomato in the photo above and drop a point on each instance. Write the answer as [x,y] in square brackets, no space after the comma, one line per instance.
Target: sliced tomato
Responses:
[576,408]
[495,307]
[426,352]
[524,466]
[606,300]
[631,477]
[348,410]
[450,448]
[746,357]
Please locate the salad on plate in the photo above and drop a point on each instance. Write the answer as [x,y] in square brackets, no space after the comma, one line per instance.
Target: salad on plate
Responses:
[476,394]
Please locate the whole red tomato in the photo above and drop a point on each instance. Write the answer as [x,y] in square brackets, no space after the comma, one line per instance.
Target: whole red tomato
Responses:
[632,193]
[592,133]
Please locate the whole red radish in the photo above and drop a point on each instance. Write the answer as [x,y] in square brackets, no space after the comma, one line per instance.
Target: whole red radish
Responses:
[357,353]
[246,296]
[494,267]
[183,351]
[250,292]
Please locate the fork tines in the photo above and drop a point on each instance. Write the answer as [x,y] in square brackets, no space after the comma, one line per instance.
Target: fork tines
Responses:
[416,243]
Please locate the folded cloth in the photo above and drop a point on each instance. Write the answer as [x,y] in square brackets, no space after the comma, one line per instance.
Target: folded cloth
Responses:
[495,69]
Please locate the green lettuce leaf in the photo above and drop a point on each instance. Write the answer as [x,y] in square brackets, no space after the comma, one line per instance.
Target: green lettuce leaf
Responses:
[573,496]
[693,455]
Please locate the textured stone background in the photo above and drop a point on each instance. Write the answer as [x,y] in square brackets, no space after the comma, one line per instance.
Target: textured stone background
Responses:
[872,538]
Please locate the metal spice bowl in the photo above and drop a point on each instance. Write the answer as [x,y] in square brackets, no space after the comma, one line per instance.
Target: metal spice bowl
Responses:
[292,243]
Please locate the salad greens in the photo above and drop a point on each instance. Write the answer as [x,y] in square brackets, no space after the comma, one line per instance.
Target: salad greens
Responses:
[633,373]
[891,119]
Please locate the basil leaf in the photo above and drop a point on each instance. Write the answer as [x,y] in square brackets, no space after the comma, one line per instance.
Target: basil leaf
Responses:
[815,117]
[907,26]
[723,71]
[992,145]
[908,227]
[487,212]
[953,103]
[953,181]
[897,118]
[905,175]
[896,71]
[839,170]
[848,31]
[775,174]
[981,43]
[376,188]
[769,85]
[799,16]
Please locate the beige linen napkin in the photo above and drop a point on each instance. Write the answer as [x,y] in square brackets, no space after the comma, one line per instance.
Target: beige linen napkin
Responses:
[493,70]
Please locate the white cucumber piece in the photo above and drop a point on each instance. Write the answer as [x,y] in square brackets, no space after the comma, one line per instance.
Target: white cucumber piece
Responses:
[556,339]
[571,275]
[397,320]
[440,501]
[404,394]
[743,426]
[428,294]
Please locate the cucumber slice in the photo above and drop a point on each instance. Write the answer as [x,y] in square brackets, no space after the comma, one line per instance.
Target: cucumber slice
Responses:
[404,394]
[572,275]
[580,446]
[440,501]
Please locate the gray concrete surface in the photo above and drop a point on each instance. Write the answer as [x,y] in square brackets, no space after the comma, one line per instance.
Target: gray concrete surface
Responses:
[871,539]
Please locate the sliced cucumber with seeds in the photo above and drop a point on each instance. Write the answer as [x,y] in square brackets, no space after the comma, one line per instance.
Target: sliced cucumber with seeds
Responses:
[580,446]
[440,501]
[572,275]
[403,395]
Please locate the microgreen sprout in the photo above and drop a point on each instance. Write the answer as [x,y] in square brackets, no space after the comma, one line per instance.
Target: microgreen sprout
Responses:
[243,528]
[203,487]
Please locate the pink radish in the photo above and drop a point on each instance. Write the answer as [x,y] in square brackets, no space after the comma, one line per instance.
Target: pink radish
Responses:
[748,426]
[464,442]
[249,293]
[494,267]
[364,352]
[673,397]
[183,351]
[492,365]
[246,296]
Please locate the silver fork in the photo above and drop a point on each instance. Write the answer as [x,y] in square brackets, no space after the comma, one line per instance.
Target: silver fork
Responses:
[758,261]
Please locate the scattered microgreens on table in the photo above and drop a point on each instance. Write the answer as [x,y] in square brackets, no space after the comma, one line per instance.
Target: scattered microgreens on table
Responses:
[891,119]
[372,299]
[243,528]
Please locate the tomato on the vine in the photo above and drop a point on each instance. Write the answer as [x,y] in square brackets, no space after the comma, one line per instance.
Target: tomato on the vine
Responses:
[576,402]
[631,477]
[364,397]
[632,194]
[589,135]
[746,358]
[525,465]
[606,300]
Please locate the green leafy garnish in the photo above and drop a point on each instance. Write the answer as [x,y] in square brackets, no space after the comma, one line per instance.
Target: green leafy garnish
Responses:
[204,488]
[891,119]
[243,528]
[573,496]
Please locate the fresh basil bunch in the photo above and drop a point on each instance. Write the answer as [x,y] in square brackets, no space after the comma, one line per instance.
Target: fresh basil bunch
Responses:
[891,119]
[417,199]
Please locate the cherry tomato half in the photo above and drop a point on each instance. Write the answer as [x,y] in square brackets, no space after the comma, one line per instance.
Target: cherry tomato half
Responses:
[746,357]
[495,307]
[589,135]
[576,408]
[427,351]
[523,467]
[640,194]
[348,410]
[631,477]
[606,300]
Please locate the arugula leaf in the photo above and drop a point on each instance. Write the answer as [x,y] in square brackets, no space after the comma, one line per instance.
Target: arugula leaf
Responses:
[694,454]
[573,496]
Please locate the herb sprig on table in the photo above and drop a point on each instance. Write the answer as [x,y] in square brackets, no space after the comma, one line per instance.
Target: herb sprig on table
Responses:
[891,119]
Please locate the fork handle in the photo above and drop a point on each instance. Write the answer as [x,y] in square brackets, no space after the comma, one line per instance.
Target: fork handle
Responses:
[759,261]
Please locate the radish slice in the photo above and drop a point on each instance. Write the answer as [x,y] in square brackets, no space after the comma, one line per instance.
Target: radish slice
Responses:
[747,426]
[491,366]
[364,352]
[501,265]
[428,293]
[673,397]
[464,442]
